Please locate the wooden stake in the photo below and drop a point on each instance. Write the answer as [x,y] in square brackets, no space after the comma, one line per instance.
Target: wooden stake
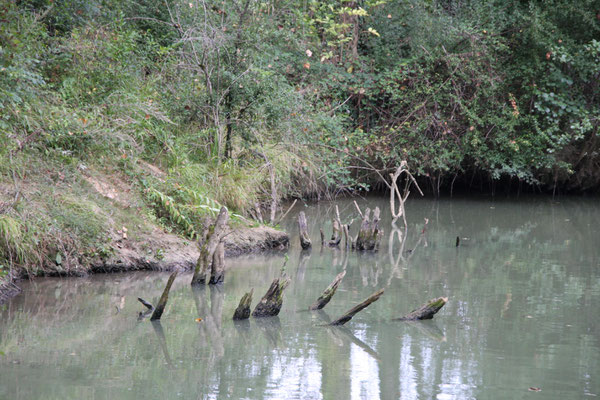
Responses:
[354,310]
[158,311]
[328,293]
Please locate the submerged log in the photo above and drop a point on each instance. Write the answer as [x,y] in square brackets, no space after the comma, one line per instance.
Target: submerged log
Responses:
[271,303]
[304,236]
[328,293]
[243,309]
[426,311]
[158,311]
[208,248]
[370,234]
[354,310]
[217,271]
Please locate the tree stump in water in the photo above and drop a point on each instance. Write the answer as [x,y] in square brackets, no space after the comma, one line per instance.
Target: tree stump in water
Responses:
[160,308]
[304,236]
[217,273]
[243,309]
[208,248]
[328,293]
[426,311]
[354,310]
[336,238]
[271,303]
[370,234]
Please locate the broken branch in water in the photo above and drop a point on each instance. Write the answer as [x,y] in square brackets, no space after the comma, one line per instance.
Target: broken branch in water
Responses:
[354,310]
[328,293]
[146,304]
[426,311]
[160,308]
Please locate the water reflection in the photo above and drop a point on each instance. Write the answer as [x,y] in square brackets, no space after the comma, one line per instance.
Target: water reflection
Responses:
[524,289]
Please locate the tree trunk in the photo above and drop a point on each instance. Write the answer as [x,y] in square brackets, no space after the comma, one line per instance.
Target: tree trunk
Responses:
[243,309]
[217,273]
[353,311]
[304,236]
[328,293]
[271,303]
[158,311]
[426,311]
[208,248]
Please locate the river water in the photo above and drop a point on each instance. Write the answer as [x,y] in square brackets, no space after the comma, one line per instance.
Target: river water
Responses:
[522,319]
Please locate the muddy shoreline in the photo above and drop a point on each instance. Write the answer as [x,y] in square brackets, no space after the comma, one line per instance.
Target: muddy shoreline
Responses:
[160,251]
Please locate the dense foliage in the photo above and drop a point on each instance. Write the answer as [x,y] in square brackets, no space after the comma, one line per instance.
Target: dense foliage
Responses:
[244,102]
[508,88]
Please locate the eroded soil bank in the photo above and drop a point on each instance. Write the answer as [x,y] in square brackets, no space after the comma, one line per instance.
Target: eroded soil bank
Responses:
[162,251]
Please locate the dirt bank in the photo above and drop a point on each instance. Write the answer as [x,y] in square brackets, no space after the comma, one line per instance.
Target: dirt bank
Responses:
[164,251]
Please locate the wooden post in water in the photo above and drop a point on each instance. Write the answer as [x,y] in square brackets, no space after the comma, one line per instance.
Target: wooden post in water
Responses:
[304,236]
[271,303]
[426,311]
[328,293]
[160,308]
[208,248]
[243,309]
[354,310]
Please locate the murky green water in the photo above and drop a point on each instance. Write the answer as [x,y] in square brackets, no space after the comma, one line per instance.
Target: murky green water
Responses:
[524,311]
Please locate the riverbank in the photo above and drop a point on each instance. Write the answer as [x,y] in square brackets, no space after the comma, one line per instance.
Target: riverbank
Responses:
[56,220]
[172,252]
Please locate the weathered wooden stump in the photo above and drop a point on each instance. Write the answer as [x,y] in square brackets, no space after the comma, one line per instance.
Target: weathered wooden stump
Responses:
[426,311]
[370,234]
[160,308]
[243,309]
[217,272]
[328,293]
[209,247]
[336,238]
[304,236]
[271,303]
[354,310]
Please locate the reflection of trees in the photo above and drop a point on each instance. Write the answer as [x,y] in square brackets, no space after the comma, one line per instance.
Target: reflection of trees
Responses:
[521,260]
